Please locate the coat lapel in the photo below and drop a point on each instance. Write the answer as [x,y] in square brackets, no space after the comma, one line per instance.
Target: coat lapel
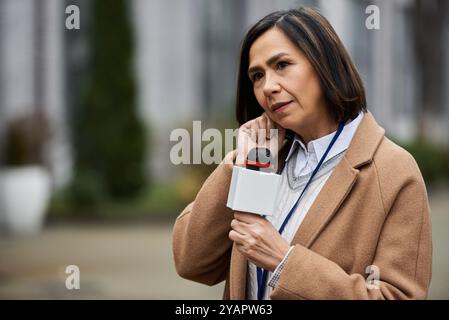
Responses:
[326,204]
[361,151]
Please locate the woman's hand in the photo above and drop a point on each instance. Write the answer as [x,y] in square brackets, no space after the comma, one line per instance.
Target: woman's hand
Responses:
[258,133]
[257,239]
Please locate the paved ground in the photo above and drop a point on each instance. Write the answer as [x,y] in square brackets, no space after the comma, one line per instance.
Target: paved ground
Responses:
[134,261]
[115,262]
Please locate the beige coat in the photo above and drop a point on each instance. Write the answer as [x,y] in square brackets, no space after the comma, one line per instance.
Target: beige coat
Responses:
[373,210]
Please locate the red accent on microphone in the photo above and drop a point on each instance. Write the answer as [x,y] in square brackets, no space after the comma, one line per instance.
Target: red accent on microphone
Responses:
[258,164]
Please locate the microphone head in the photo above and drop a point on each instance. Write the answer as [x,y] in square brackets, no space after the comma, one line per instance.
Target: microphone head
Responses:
[258,158]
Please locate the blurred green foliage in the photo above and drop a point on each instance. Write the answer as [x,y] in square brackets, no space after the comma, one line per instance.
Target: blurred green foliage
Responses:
[158,201]
[432,159]
[109,137]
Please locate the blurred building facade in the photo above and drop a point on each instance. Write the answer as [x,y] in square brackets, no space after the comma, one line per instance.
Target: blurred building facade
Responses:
[187,57]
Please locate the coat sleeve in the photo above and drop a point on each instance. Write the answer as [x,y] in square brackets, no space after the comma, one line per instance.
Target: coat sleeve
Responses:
[201,247]
[403,258]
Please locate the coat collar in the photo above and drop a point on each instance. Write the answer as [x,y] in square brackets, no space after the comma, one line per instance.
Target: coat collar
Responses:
[316,148]
[365,142]
[361,151]
[362,147]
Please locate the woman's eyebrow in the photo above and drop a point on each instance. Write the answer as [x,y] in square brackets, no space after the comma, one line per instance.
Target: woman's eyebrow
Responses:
[270,61]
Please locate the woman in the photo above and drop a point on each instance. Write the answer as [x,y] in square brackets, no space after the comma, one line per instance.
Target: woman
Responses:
[352,220]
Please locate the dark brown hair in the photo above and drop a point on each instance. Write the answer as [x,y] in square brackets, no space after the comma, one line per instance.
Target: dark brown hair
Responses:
[309,31]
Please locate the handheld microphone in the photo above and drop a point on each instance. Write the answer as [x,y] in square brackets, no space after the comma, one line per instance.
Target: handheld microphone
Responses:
[254,188]
[259,158]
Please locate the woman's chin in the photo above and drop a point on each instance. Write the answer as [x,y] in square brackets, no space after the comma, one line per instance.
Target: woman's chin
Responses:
[286,122]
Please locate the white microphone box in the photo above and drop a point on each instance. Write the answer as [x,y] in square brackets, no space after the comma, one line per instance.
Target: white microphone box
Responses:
[253,191]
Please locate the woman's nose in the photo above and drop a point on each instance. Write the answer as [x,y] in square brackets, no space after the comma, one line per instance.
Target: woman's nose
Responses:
[271,86]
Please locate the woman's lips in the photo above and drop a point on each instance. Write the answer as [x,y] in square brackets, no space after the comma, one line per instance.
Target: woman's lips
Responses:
[282,108]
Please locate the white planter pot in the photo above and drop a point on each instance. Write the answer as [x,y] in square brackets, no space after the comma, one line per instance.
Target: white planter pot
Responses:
[24,196]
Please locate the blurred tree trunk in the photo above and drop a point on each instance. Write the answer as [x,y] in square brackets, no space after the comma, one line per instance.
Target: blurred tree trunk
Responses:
[428,29]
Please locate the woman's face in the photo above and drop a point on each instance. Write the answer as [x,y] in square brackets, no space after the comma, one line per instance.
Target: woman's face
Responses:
[286,85]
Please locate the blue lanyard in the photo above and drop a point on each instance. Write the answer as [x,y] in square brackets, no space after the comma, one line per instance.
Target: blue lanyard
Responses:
[262,273]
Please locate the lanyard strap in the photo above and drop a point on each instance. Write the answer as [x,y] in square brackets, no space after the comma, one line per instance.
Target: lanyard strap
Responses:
[262,273]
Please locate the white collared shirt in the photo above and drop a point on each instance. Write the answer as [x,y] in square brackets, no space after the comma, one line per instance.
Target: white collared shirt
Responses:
[309,156]
[306,161]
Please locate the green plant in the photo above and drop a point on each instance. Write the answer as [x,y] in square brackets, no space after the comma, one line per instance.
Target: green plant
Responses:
[25,140]
[86,189]
[109,137]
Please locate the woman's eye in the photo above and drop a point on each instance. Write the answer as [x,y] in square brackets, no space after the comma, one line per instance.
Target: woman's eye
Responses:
[282,64]
[257,76]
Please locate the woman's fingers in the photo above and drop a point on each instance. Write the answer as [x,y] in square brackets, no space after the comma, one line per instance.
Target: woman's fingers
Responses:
[236,236]
[256,133]
[261,129]
[239,226]
[254,127]
[247,217]
[269,126]
[247,140]
[280,133]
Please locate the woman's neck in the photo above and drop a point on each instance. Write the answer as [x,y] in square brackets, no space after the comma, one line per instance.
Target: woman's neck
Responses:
[317,129]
